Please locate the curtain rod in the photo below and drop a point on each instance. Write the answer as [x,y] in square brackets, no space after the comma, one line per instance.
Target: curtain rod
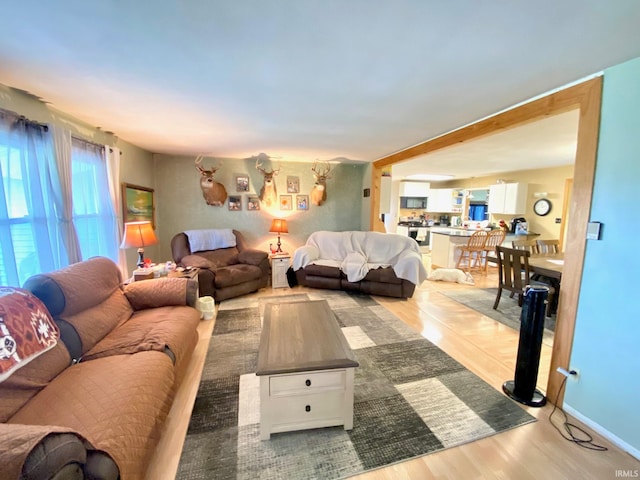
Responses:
[45,127]
[22,118]
[94,144]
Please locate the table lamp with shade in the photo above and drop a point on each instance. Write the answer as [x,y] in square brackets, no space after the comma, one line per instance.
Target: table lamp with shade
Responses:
[279,225]
[138,235]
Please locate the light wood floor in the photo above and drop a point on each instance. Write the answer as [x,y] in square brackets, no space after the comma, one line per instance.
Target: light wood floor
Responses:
[487,348]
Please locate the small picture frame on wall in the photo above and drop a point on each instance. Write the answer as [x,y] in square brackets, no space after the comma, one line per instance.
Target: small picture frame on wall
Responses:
[302,202]
[137,204]
[293,184]
[242,183]
[235,202]
[285,202]
[253,202]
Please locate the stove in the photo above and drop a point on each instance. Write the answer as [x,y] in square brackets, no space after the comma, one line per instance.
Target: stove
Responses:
[413,227]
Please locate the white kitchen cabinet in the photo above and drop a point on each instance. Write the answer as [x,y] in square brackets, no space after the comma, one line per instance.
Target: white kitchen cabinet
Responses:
[414,189]
[434,204]
[496,198]
[509,198]
[441,200]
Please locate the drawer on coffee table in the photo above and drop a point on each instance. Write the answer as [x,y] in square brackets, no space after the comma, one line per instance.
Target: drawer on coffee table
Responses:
[301,383]
[308,408]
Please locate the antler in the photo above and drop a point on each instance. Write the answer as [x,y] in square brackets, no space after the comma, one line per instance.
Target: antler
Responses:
[325,171]
[263,171]
[212,170]
[199,164]
[258,165]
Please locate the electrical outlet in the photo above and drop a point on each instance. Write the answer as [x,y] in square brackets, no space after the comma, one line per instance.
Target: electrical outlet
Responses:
[576,376]
[558,220]
[571,376]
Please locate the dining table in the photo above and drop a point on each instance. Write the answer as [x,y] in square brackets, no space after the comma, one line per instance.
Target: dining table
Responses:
[549,266]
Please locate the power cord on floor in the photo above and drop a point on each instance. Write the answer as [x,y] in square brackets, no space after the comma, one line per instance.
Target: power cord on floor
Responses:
[570,427]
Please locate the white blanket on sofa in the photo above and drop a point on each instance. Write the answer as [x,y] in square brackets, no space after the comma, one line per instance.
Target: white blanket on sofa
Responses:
[355,253]
[210,239]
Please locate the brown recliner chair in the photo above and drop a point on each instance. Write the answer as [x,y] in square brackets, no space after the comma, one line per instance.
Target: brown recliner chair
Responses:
[225,272]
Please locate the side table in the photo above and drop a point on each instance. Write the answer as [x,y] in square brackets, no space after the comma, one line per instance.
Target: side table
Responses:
[191,274]
[279,267]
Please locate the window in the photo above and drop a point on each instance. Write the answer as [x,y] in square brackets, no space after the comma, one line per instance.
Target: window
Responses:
[30,228]
[93,214]
[29,241]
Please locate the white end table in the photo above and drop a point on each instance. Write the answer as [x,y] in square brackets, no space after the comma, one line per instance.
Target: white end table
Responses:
[279,267]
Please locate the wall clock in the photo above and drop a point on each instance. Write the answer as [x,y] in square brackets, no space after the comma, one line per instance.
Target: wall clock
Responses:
[542,207]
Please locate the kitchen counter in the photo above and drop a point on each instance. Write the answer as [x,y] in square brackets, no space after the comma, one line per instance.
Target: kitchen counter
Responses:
[456,231]
[444,242]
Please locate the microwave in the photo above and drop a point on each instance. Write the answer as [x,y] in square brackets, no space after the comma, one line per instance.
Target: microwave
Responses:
[418,203]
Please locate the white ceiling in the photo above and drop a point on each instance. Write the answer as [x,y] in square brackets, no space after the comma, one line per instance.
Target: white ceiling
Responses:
[546,143]
[303,79]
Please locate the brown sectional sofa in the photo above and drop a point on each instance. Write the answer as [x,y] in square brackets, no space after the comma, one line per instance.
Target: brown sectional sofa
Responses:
[224,272]
[94,405]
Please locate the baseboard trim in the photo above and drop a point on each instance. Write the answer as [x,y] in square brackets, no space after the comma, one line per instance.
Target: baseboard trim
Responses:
[634,452]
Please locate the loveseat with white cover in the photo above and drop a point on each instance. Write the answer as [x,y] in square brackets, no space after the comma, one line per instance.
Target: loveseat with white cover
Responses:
[375,263]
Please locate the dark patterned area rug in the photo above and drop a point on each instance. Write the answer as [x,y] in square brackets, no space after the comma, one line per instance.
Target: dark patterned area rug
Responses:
[411,399]
[508,311]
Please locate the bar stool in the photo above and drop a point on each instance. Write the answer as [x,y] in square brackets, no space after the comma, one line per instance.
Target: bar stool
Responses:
[473,250]
[495,238]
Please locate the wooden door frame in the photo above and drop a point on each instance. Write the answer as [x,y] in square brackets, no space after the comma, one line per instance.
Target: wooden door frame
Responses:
[568,187]
[586,97]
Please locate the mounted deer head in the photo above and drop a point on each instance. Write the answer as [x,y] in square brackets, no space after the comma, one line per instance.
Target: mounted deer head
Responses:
[319,190]
[213,192]
[268,192]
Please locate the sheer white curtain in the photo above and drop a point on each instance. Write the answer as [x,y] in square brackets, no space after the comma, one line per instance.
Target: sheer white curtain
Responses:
[63,192]
[30,241]
[57,203]
[93,213]
[112,158]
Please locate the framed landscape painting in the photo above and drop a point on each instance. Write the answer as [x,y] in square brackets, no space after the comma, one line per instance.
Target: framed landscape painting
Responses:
[137,204]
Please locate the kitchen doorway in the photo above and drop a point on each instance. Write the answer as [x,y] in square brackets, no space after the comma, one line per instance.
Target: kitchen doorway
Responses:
[586,97]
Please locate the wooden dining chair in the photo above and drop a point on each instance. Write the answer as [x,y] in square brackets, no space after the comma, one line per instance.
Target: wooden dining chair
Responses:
[494,238]
[548,247]
[473,250]
[530,245]
[513,274]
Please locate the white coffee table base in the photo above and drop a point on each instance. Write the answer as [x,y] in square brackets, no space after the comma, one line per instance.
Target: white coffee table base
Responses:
[306,400]
[306,369]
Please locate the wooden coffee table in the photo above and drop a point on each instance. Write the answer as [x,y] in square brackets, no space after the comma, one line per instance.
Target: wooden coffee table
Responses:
[306,369]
